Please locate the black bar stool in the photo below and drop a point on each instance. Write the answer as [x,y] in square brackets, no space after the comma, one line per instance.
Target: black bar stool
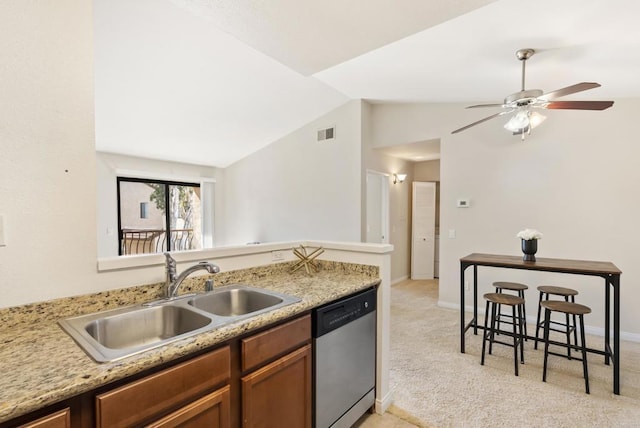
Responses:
[519,289]
[567,308]
[493,301]
[567,327]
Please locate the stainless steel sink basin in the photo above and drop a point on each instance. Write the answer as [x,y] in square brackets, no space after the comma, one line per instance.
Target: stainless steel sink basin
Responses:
[111,335]
[120,333]
[235,302]
[239,301]
[144,326]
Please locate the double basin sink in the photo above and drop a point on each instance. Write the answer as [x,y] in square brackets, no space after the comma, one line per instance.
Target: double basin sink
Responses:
[119,333]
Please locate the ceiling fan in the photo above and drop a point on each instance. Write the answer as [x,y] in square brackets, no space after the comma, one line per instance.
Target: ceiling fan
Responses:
[525,103]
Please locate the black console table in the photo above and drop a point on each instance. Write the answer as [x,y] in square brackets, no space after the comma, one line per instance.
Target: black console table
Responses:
[606,270]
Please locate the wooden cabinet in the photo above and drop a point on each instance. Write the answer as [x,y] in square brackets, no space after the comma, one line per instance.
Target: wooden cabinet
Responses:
[279,393]
[262,380]
[153,396]
[61,419]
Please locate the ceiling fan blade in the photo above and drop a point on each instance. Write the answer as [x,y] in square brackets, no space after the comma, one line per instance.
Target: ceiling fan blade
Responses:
[578,87]
[485,105]
[579,105]
[480,121]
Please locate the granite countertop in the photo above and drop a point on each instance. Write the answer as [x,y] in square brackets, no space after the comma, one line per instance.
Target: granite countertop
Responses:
[41,364]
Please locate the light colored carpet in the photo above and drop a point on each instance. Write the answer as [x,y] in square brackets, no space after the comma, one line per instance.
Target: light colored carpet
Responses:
[440,387]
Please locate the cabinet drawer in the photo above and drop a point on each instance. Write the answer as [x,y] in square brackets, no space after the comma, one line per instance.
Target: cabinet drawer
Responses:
[143,399]
[274,342]
[61,419]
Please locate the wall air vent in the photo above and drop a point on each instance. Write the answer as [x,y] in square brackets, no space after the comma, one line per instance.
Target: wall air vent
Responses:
[327,134]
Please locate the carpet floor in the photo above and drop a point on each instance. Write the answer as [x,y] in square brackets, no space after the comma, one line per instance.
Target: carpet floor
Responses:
[434,385]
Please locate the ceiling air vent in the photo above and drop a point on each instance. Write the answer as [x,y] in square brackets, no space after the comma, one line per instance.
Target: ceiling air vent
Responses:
[327,134]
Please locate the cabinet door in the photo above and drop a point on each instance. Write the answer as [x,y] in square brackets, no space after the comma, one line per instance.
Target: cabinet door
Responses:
[212,411]
[61,419]
[279,394]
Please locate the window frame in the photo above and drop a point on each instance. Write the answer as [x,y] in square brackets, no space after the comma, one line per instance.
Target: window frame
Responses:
[166,183]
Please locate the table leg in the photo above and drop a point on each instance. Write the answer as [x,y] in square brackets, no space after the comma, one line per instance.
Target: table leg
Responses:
[462,324]
[475,300]
[607,320]
[615,281]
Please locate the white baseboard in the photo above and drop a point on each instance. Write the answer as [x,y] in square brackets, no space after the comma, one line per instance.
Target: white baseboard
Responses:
[397,280]
[382,405]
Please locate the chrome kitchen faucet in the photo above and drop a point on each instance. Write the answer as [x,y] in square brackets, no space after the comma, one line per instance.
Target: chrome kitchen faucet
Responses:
[173,282]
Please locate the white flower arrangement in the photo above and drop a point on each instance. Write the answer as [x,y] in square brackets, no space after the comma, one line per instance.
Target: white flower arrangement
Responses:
[529,234]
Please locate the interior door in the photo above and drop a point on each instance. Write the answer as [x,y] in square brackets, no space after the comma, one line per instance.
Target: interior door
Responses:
[377,208]
[423,228]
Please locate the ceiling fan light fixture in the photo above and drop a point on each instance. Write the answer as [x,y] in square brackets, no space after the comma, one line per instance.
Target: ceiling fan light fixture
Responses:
[518,121]
[524,121]
[536,119]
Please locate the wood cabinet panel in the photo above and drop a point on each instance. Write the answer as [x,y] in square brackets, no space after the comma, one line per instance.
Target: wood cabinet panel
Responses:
[212,411]
[279,394]
[141,400]
[277,341]
[61,419]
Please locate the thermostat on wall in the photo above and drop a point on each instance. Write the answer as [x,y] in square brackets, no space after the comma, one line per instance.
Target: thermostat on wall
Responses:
[463,203]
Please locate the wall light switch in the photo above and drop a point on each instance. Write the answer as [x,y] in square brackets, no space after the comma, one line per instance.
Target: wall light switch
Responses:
[452,233]
[3,240]
[462,203]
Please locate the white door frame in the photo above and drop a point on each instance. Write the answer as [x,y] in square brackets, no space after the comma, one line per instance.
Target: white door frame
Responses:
[384,202]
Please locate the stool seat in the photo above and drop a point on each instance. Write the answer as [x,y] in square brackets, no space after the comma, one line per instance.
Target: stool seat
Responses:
[514,286]
[504,299]
[558,291]
[565,307]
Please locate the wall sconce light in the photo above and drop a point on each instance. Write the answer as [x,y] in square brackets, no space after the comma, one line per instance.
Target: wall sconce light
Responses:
[399,178]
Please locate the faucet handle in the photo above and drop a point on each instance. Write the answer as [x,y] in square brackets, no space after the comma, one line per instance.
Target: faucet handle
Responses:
[170,267]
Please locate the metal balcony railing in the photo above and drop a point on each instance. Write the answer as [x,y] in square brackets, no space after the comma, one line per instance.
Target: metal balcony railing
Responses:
[148,241]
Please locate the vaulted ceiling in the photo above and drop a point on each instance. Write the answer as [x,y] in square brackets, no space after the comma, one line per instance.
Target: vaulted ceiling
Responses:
[211,81]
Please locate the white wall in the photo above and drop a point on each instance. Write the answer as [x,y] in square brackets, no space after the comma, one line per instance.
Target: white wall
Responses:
[48,167]
[297,187]
[47,162]
[399,196]
[574,180]
[430,171]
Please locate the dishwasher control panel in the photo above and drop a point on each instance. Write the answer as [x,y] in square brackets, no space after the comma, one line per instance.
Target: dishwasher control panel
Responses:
[336,314]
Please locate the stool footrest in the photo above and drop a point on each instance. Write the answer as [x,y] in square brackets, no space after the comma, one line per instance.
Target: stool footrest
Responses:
[564,356]
[565,331]
[506,343]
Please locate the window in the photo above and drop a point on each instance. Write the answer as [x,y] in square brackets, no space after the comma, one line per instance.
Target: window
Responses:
[156,216]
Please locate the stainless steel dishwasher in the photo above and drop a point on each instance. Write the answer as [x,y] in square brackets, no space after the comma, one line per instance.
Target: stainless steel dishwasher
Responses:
[344,350]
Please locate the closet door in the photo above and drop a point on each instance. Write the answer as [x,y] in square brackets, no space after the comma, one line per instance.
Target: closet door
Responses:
[423,230]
